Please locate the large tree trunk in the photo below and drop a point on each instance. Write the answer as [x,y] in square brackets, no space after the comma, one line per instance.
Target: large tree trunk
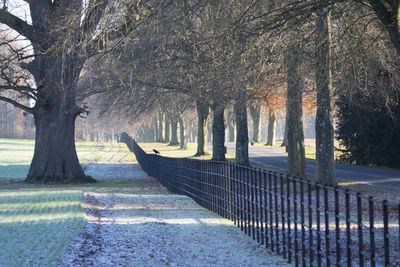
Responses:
[174,132]
[55,158]
[255,112]
[242,135]
[324,133]
[55,112]
[271,127]
[218,134]
[296,153]
[202,117]
[182,133]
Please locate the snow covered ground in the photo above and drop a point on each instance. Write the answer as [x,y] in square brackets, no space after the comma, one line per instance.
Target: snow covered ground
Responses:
[115,171]
[148,226]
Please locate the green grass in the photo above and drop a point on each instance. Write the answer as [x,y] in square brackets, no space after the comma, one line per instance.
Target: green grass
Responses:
[176,152]
[16,155]
[37,222]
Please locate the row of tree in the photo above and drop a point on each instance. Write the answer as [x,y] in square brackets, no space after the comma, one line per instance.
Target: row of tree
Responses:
[230,54]
[145,56]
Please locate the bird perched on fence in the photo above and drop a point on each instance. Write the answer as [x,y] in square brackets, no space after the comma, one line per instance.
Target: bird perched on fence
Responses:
[156,151]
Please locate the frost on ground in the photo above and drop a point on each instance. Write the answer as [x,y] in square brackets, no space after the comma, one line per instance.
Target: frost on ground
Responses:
[36,225]
[115,171]
[148,226]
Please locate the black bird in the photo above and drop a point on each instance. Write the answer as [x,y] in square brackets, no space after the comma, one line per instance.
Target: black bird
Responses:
[156,151]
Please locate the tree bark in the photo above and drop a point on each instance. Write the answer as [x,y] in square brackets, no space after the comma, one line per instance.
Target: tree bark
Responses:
[255,112]
[55,112]
[174,132]
[271,128]
[218,134]
[242,136]
[388,12]
[324,132]
[202,117]
[167,129]
[160,128]
[55,158]
[296,153]
[182,133]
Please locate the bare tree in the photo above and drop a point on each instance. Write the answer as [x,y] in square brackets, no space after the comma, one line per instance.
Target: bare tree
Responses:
[325,168]
[295,139]
[63,35]
[255,112]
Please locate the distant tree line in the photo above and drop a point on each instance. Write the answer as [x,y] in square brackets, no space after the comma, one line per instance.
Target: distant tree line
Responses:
[14,123]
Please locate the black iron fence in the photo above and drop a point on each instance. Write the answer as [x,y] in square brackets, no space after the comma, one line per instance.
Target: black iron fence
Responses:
[308,224]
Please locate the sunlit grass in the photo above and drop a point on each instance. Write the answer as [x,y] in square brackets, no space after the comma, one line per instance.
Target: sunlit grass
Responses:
[16,155]
[15,158]
[37,224]
[176,152]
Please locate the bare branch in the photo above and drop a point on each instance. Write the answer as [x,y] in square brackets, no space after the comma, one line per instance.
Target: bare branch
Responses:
[389,19]
[23,28]
[16,104]
[133,21]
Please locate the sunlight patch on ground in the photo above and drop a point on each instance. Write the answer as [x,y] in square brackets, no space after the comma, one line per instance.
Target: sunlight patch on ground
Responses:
[16,156]
[149,226]
[36,226]
[114,171]
[38,222]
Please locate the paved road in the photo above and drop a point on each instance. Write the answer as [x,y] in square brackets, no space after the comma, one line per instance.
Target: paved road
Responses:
[278,159]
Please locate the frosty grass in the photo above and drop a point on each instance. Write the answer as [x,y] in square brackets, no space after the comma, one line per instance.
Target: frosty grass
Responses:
[37,223]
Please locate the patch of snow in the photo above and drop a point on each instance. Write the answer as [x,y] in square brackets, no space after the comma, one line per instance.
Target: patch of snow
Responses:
[115,171]
[148,226]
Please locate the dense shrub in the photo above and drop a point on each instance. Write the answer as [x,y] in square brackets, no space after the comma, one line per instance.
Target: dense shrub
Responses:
[369,127]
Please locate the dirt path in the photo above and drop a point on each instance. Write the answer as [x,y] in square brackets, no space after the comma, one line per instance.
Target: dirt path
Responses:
[148,226]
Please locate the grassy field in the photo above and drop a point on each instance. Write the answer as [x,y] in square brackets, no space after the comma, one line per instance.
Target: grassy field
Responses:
[175,151]
[37,222]
[16,155]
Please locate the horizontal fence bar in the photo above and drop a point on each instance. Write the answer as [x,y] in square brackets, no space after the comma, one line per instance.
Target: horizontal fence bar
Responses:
[305,222]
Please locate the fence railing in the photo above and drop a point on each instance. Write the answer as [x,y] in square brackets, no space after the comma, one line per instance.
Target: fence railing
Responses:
[308,224]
